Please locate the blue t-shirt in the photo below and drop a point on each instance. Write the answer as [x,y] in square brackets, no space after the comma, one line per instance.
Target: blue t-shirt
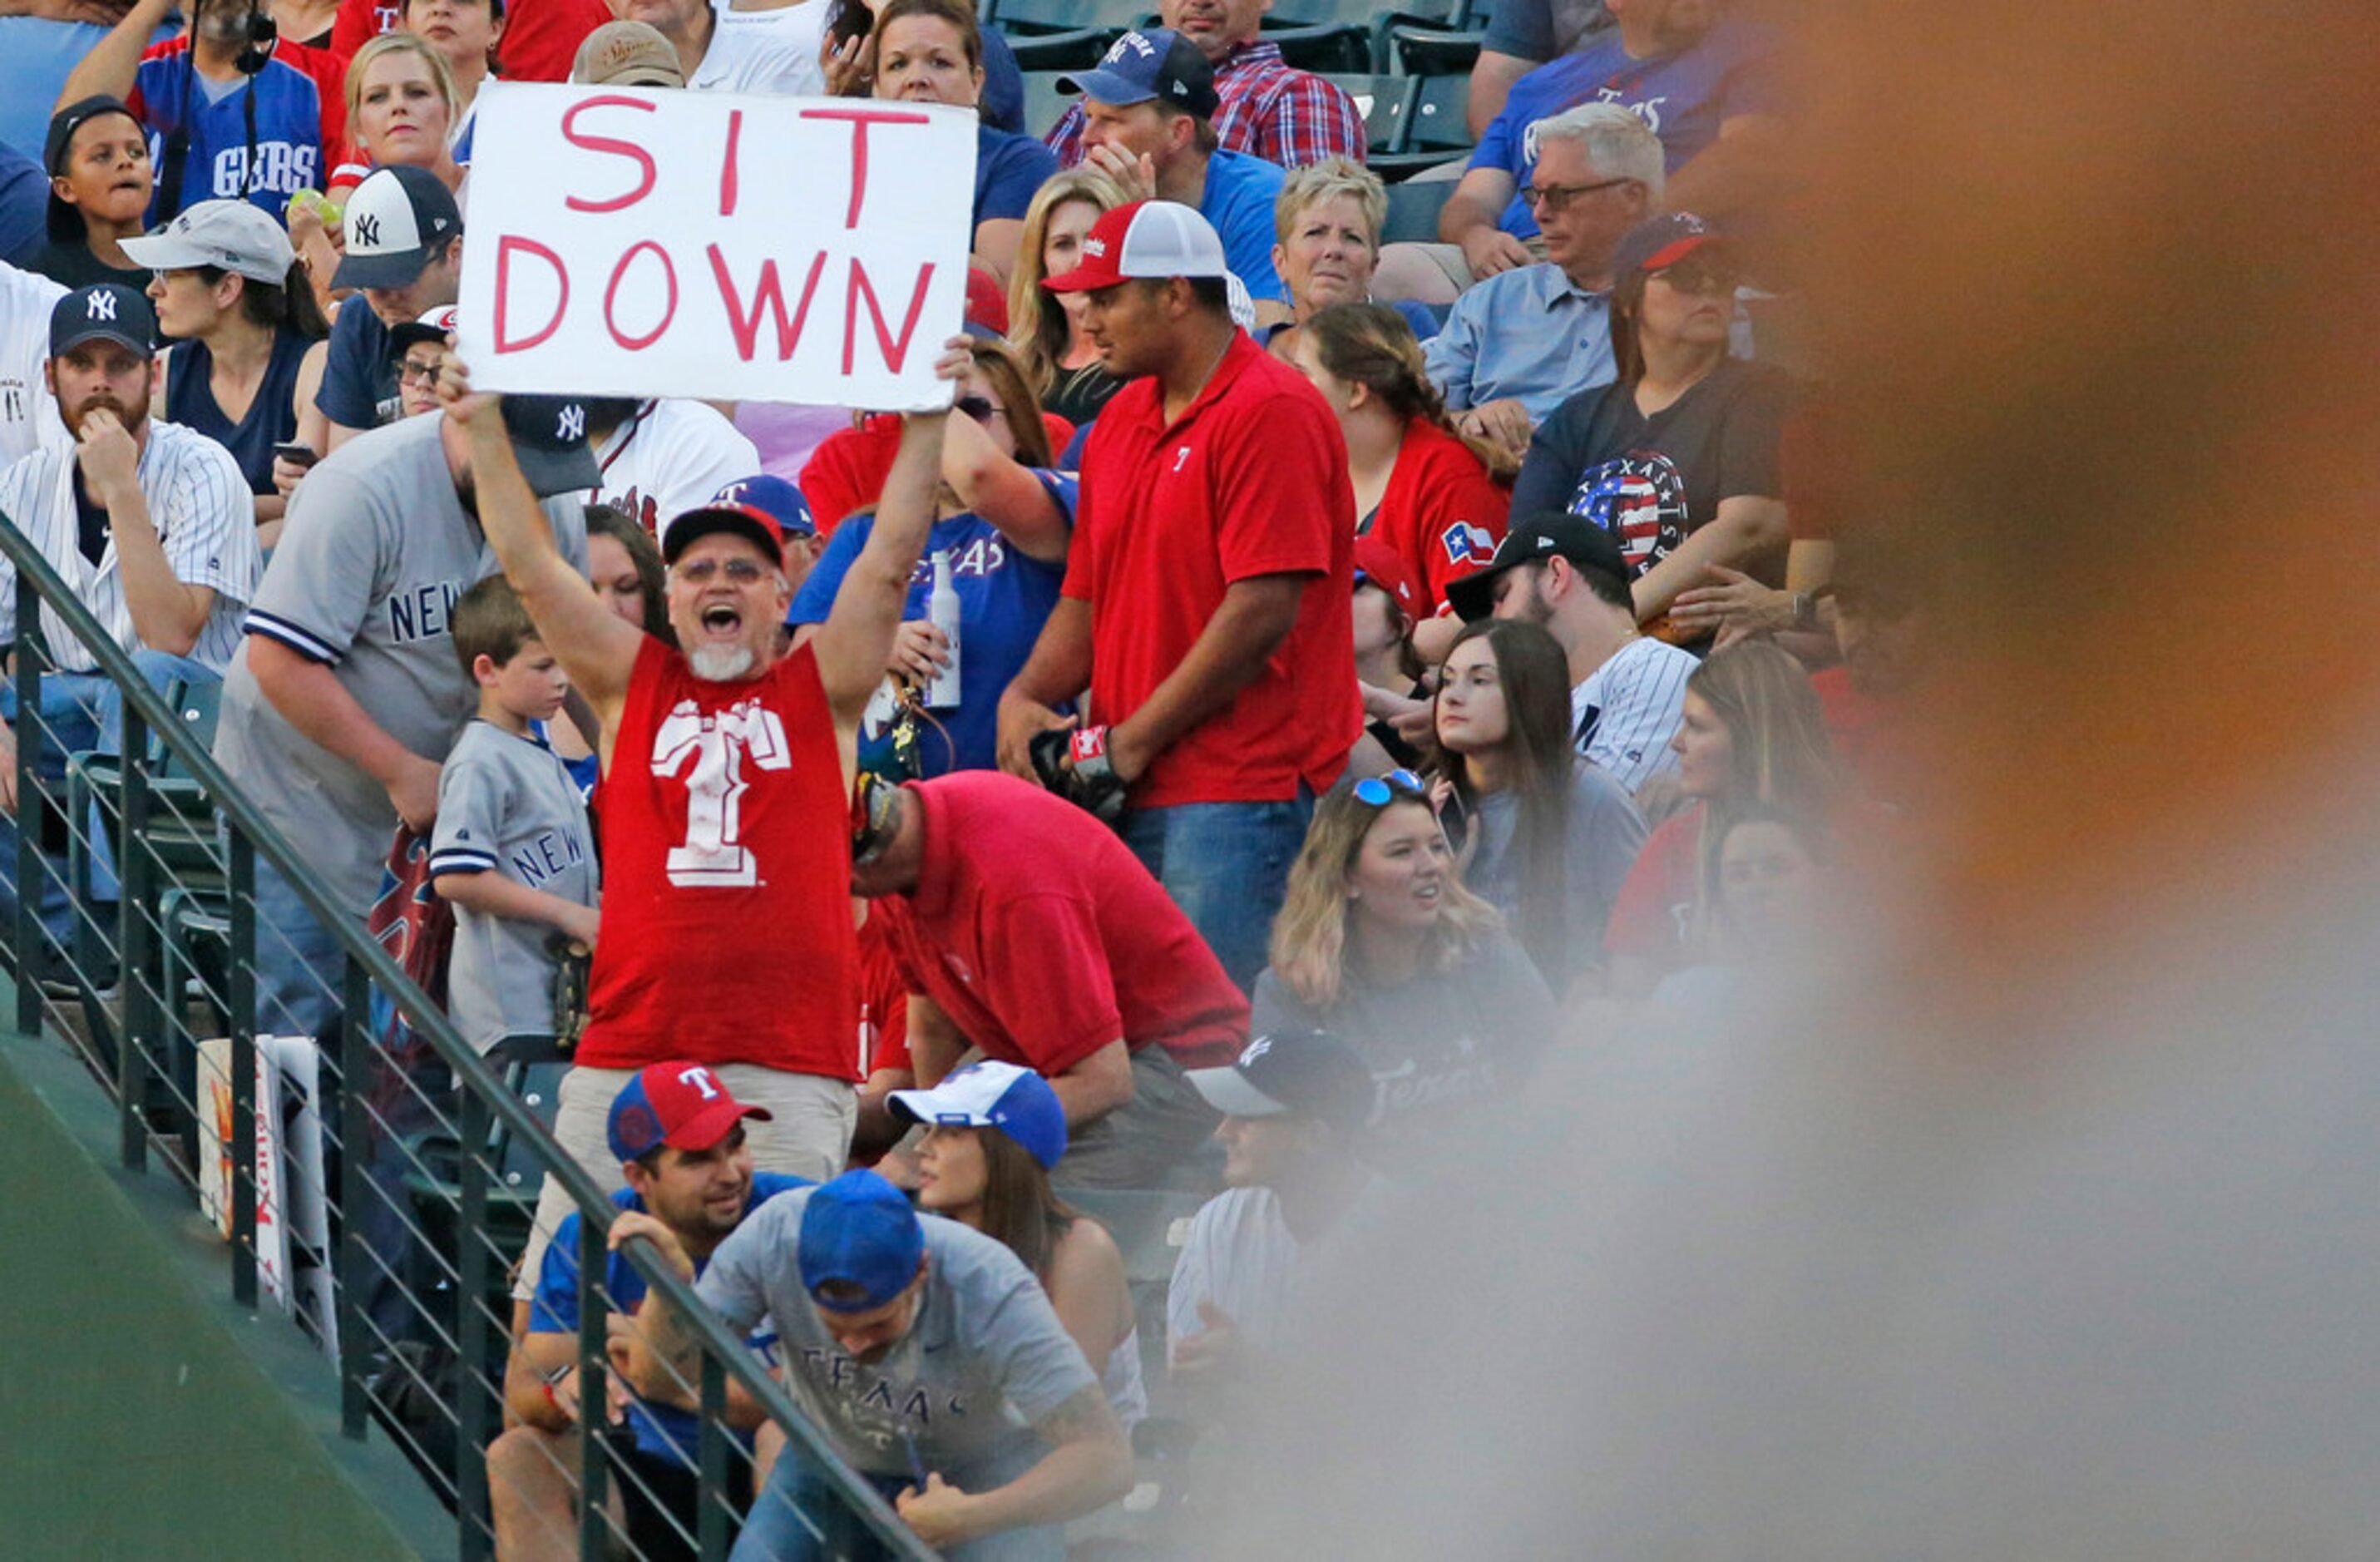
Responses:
[1004,598]
[1241,192]
[661,1429]
[358,375]
[288,146]
[1008,169]
[24,209]
[1001,102]
[1684,99]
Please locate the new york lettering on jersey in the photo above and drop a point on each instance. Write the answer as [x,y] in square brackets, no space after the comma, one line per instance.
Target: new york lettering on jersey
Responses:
[424,612]
[552,852]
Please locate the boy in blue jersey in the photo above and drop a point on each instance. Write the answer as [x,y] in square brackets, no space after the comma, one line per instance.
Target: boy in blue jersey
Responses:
[679,1136]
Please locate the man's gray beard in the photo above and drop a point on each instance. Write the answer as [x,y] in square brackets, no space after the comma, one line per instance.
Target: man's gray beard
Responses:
[721,663]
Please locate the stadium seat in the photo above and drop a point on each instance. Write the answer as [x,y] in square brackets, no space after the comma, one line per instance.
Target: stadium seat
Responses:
[1045,104]
[1021,18]
[1075,49]
[1413,211]
[1381,100]
[1325,48]
[1412,50]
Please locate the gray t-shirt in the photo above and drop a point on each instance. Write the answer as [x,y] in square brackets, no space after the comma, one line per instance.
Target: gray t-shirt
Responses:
[375,552]
[507,805]
[1606,834]
[985,1358]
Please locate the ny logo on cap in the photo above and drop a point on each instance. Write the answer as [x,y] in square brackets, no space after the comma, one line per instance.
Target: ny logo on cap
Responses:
[367,224]
[100,306]
[572,424]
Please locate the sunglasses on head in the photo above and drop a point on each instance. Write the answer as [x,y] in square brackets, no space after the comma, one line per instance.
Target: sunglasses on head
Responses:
[1378,791]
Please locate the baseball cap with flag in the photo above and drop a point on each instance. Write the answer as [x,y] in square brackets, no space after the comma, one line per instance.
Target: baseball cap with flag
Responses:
[682,1105]
[1544,535]
[549,440]
[398,220]
[1144,238]
[992,1094]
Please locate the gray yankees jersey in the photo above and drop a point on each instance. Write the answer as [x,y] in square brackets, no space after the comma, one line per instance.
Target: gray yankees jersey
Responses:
[507,805]
[205,521]
[376,550]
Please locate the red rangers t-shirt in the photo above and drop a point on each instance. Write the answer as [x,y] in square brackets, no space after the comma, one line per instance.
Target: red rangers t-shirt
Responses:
[1044,939]
[725,829]
[541,41]
[1250,480]
[1442,512]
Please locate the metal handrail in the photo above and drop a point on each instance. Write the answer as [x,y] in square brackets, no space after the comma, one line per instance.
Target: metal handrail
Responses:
[367,963]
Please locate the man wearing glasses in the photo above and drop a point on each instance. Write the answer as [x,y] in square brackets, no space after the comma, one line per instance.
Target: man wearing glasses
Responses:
[1519,344]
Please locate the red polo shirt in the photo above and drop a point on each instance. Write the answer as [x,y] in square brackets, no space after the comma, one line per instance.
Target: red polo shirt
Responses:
[1044,939]
[1250,480]
[1442,512]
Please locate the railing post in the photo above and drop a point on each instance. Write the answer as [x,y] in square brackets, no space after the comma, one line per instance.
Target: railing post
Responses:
[243,1044]
[135,952]
[710,1522]
[355,1158]
[471,1333]
[32,652]
[594,1393]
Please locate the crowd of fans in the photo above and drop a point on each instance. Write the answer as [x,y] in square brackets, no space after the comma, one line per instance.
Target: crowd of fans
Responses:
[1300,680]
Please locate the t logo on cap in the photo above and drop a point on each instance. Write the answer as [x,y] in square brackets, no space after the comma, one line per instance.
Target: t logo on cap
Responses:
[700,1080]
[100,306]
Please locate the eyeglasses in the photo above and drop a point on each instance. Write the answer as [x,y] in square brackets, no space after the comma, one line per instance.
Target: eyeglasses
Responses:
[1554,198]
[1697,273]
[1378,791]
[412,371]
[740,571]
[981,408]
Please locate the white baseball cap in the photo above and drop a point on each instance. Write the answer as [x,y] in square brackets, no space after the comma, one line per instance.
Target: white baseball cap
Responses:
[1147,238]
[397,221]
[232,235]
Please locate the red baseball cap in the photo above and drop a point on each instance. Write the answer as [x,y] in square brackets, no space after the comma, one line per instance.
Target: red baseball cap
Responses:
[1145,238]
[681,1104]
[987,306]
[1378,563]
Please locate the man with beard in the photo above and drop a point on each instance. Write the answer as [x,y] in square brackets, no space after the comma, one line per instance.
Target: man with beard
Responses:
[147,521]
[728,771]
[340,707]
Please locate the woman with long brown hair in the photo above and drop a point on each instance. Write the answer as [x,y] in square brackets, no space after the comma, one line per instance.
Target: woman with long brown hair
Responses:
[1437,497]
[1551,838]
[993,1133]
[1379,942]
[1751,736]
[1046,328]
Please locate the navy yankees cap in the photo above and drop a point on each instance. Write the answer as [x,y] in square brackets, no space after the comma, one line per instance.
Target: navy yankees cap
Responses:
[104,308]
[859,1236]
[398,220]
[1544,535]
[1310,1073]
[549,440]
[1140,66]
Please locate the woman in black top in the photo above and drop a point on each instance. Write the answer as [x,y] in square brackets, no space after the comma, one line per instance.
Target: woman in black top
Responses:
[247,352]
[1676,459]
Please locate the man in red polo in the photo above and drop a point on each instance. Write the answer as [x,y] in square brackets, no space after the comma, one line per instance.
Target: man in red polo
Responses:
[1043,943]
[1206,608]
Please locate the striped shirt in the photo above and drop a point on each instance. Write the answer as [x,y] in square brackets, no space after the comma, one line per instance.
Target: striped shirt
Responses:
[1270,109]
[1627,710]
[201,509]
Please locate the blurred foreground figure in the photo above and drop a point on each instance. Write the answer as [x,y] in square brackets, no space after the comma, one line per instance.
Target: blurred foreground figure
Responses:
[2041,1224]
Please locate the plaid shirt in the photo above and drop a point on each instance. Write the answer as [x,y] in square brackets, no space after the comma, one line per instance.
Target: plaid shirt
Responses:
[1270,110]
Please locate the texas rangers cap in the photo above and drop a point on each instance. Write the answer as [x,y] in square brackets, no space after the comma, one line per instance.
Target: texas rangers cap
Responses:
[1311,1072]
[398,220]
[781,499]
[750,523]
[1146,239]
[106,310]
[549,440]
[1544,535]
[1139,67]
[627,54]
[858,1231]
[682,1105]
[1017,1102]
[232,235]
[1662,241]
[1376,563]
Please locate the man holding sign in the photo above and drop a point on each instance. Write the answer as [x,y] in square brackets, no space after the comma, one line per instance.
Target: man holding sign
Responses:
[728,767]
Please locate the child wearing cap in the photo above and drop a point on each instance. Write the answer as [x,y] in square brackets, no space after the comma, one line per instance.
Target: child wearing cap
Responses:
[993,1133]
[512,850]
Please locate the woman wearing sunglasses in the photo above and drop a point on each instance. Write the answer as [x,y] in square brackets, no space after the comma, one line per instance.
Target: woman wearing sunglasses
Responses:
[1005,521]
[1551,838]
[1379,942]
[1678,457]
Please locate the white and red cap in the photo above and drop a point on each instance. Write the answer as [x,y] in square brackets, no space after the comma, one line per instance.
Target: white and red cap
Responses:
[1144,238]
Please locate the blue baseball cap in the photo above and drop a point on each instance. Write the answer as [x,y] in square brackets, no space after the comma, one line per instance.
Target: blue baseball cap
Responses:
[1141,67]
[859,1231]
[1017,1102]
[774,494]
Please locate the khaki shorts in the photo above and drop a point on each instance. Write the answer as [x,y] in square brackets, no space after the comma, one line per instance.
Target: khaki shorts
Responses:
[810,1136]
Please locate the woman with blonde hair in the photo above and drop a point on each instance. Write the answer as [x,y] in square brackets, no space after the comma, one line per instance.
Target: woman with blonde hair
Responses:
[402,106]
[1046,328]
[1437,497]
[1327,224]
[1751,737]
[1379,942]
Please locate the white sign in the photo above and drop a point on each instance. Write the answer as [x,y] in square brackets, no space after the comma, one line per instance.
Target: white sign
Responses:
[637,241]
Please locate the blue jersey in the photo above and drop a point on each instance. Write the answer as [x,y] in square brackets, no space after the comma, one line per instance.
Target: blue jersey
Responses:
[661,1430]
[298,111]
[1008,169]
[1239,201]
[1004,598]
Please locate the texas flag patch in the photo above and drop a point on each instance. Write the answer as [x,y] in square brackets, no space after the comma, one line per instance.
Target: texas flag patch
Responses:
[1467,544]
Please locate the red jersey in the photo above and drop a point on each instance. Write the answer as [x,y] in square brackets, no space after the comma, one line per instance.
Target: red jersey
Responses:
[1443,512]
[845,474]
[883,1001]
[541,41]
[727,934]
[1044,939]
[1250,480]
[1653,918]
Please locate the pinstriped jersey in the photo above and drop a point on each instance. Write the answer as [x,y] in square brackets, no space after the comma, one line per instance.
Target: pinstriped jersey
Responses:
[1626,713]
[201,506]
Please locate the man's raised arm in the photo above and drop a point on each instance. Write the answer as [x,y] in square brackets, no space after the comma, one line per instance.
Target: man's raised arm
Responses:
[596,647]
